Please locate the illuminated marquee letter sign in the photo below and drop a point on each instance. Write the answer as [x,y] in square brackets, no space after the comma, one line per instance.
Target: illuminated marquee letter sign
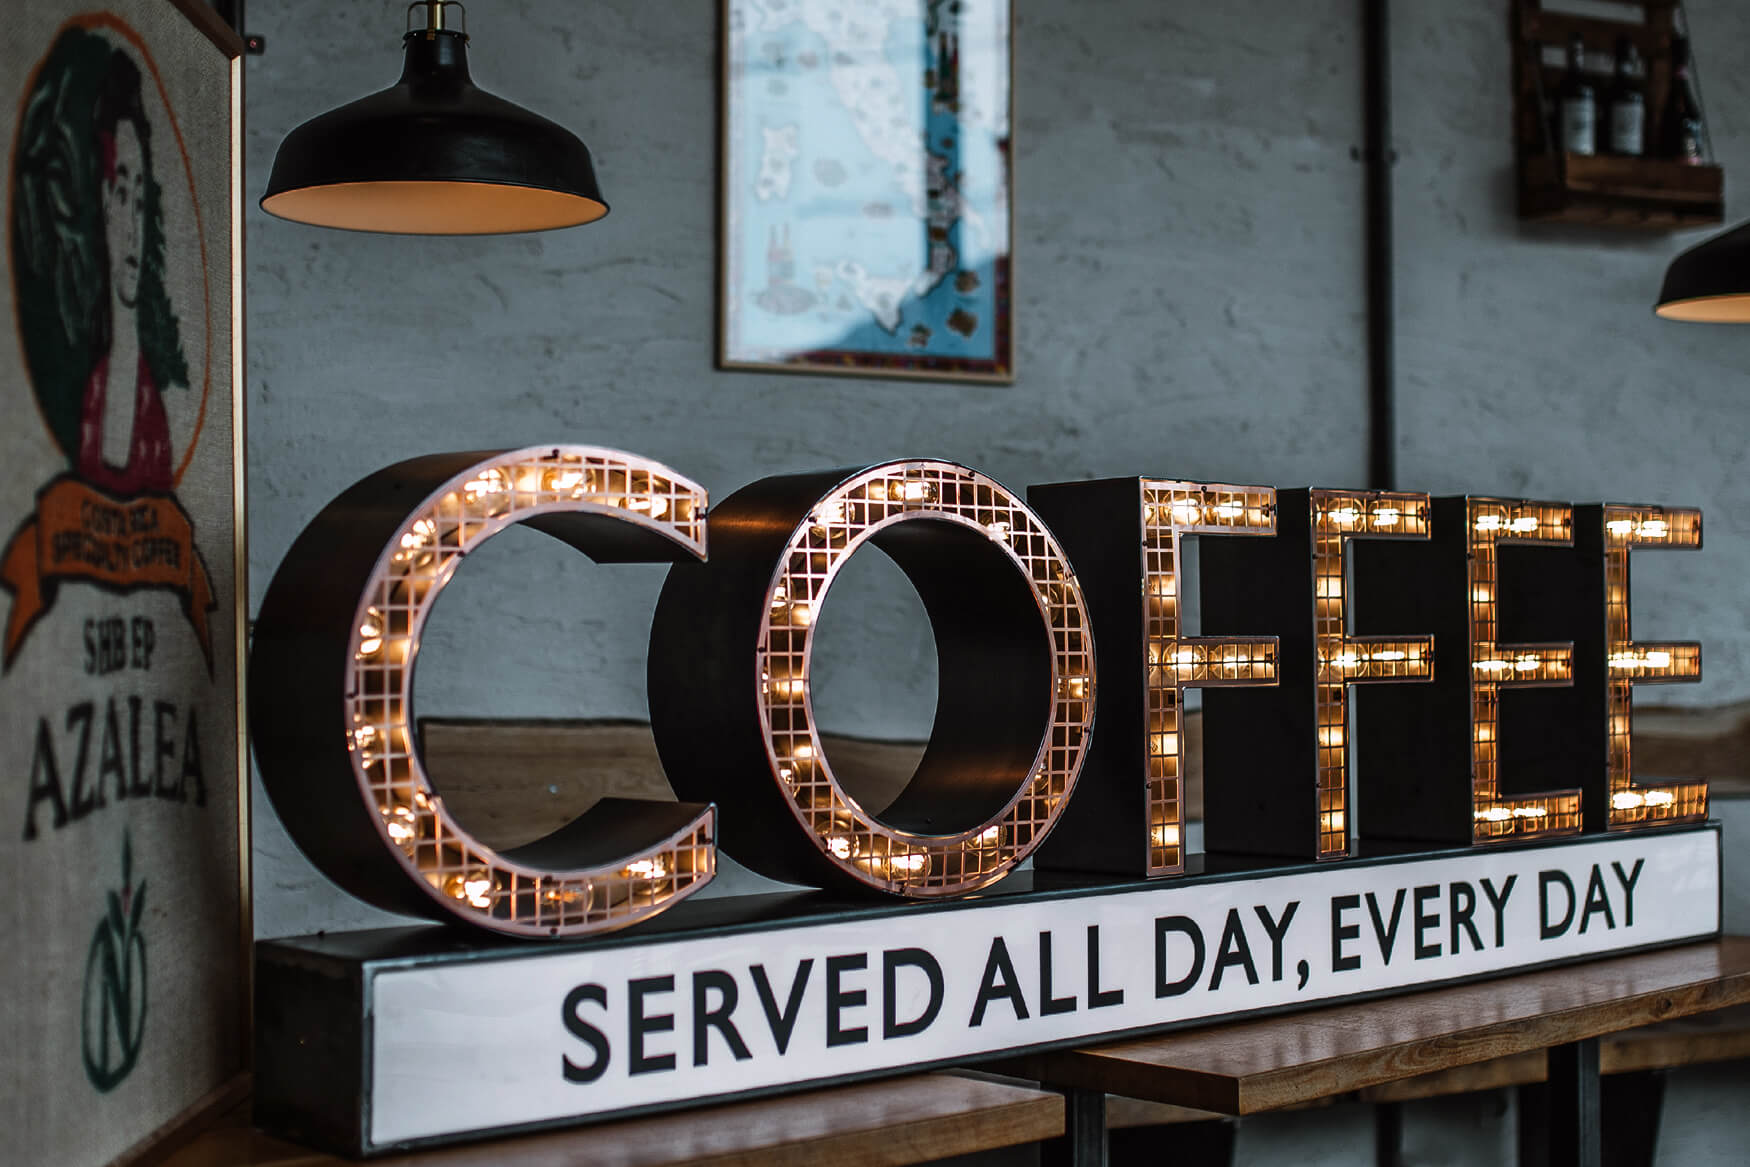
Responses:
[1609,533]
[1277,760]
[1504,769]
[1448,763]
[1128,817]
[332,692]
[730,670]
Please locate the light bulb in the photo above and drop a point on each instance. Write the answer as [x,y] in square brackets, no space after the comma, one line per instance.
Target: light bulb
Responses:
[370,633]
[489,481]
[419,534]
[564,481]
[911,490]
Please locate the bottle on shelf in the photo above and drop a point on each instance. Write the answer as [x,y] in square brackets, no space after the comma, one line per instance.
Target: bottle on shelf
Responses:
[1627,120]
[1680,131]
[1577,104]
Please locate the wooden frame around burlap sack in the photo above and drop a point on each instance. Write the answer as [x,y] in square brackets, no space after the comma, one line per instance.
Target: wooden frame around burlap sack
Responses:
[123,816]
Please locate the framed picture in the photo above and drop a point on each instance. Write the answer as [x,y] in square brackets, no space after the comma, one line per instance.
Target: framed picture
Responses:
[123,830]
[866,188]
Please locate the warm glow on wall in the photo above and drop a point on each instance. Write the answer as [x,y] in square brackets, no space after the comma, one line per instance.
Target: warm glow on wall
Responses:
[1494,666]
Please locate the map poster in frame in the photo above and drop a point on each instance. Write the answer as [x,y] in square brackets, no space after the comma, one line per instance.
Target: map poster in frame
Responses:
[866,188]
[124,819]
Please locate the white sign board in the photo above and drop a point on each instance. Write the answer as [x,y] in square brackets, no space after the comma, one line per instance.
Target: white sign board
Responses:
[555,1035]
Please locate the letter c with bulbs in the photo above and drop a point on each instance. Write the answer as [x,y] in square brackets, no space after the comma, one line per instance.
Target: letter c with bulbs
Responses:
[1416,742]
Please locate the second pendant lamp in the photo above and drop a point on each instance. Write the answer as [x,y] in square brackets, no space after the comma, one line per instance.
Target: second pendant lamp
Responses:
[434,154]
[1710,283]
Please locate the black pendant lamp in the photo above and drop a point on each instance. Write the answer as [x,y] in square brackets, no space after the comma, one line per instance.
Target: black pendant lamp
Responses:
[1710,282]
[434,155]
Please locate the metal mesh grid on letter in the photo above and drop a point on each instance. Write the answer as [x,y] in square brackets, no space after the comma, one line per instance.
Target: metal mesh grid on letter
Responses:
[1171,510]
[1341,660]
[476,881]
[1493,665]
[1631,663]
[879,856]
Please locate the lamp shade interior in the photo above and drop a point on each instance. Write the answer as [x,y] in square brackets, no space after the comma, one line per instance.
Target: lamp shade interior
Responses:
[434,208]
[1710,283]
[1727,309]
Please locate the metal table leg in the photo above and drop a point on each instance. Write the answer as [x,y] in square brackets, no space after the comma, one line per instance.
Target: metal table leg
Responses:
[1576,1131]
[1388,1134]
[1084,1132]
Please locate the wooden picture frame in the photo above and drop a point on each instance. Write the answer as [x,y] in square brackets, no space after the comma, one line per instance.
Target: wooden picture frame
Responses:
[125,840]
[845,246]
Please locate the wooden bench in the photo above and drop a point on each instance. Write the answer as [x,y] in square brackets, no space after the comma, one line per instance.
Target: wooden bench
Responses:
[874,1124]
[1550,1026]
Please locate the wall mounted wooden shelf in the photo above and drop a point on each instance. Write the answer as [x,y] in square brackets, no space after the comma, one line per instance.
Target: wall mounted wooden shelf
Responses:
[1605,190]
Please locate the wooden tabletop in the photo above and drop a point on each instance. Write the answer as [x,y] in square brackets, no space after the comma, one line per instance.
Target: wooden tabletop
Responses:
[874,1124]
[1249,1066]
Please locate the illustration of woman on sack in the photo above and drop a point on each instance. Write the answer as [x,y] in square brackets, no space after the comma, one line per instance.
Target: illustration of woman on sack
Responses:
[100,337]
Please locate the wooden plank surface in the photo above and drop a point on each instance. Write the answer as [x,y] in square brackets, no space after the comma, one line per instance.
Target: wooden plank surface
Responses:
[874,1124]
[1719,1036]
[1250,1066]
